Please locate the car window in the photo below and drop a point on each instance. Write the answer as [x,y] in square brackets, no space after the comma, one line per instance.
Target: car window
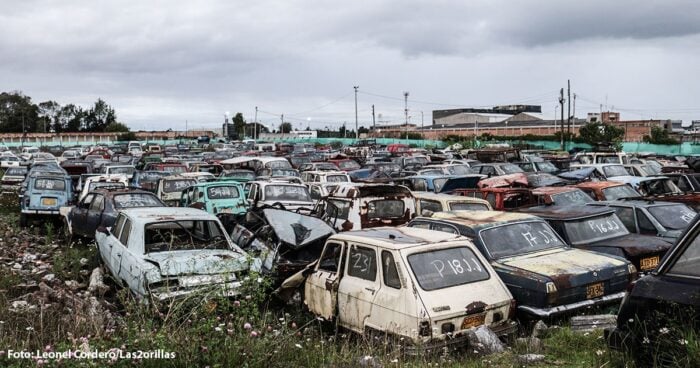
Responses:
[87,200]
[130,200]
[433,206]
[362,263]
[419,185]
[315,192]
[645,225]
[682,183]
[124,236]
[466,206]
[390,273]
[626,215]
[420,224]
[98,204]
[445,268]
[330,259]
[687,263]
[444,228]
[385,208]
[116,230]
[673,217]
[487,170]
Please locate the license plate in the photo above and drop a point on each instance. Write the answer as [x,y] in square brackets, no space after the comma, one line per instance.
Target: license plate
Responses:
[650,263]
[48,201]
[595,290]
[473,321]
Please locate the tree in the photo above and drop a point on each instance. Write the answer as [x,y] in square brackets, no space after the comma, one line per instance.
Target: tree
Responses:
[363,130]
[48,116]
[238,124]
[71,119]
[116,127]
[285,127]
[659,135]
[597,134]
[99,117]
[16,111]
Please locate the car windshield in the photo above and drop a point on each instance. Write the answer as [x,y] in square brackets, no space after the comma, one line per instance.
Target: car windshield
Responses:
[184,235]
[287,193]
[132,200]
[338,209]
[576,196]
[103,184]
[511,169]
[594,229]
[431,172]
[174,169]
[608,159]
[614,170]
[170,186]
[620,191]
[223,192]
[249,175]
[349,165]
[385,208]
[658,186]
[16,171]
[459,170]
[547,167]
[50,184]
[337,178]
[466,206]
[519,238]
[328,166]
[278,164]
[445,268]
[126,170]
[673,217]
[284,172]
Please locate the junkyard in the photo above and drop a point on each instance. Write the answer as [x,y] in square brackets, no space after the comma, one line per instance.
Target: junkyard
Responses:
[243,259]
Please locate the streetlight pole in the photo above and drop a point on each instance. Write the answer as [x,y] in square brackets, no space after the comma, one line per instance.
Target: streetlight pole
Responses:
[255,125]
[405,110]
[357,130]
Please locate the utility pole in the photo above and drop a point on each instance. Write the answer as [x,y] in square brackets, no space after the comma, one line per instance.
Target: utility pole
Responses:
[374,122]
[561,126]
[421,122]
[255,125]
[405,110]
[187,130]
[357,130]
[282,123]
[568,120]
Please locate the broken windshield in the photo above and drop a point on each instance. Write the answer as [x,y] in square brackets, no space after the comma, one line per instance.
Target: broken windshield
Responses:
[518,238]
[184,235]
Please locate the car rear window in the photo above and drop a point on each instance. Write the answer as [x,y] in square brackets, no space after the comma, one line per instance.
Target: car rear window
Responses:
[177,185]
[464,206]
[223,192]
[136,200]
[50,184]
[336,178]
[445,268]
[385,209]
[519,238]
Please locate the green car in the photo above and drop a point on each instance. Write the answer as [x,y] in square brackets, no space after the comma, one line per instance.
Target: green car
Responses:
[220,197]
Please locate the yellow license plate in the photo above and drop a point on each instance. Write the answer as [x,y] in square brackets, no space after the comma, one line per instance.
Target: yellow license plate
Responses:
[473,321]
[650,263]
[48,201]
[595,290]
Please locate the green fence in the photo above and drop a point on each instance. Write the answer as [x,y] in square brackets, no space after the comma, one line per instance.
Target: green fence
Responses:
[687,148]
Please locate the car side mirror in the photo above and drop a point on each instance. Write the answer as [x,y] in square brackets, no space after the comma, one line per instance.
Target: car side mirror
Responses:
[103,230]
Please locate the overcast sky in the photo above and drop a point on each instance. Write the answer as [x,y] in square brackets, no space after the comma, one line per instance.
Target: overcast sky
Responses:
[160,63]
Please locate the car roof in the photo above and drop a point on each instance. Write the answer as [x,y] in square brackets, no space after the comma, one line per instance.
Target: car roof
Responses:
[448,197]
[398,237]
[360,190]
[145,215]
[567,212]
[635,203]
[482,219]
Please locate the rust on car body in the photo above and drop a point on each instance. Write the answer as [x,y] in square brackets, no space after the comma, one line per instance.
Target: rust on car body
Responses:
[507,181]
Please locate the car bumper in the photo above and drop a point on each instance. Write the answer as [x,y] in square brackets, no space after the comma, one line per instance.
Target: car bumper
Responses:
[459,342]
[227,290]
[563,309]
[40,212]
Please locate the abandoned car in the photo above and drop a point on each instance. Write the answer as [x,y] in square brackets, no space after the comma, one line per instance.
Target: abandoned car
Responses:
[101,181]
[100,208]
[599,229]
[43,193]
[664,219]
[437,202]
[427,287]
[221,197]
[547,277]
[279,193]
[164,253]
[169,188]
[362,206]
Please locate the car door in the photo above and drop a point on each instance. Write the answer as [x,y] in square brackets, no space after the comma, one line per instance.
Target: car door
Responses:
[79,215]
[107,246]
[321,288]
[358,287]
[124,263]
[94,215]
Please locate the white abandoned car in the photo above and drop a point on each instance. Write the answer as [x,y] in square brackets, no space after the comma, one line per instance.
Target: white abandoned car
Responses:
[425,286]
[171,252]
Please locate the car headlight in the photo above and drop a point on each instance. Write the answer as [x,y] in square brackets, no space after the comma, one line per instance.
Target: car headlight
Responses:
[551,288]
[631,269]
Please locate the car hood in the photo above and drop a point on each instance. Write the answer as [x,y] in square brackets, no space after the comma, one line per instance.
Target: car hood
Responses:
[634,244]
[198,262]
[567,267]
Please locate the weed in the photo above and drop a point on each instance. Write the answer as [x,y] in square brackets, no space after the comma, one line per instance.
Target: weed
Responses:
[49,229]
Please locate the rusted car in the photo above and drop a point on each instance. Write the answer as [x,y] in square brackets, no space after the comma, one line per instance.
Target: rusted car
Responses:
[424,287]
[438,202]
[285,241]
[607,190]
[561,196]
[505,192]
[662,310]
[164,253]
[599,229]
[362,206]
[648,217]
[547,277]
[685,182]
